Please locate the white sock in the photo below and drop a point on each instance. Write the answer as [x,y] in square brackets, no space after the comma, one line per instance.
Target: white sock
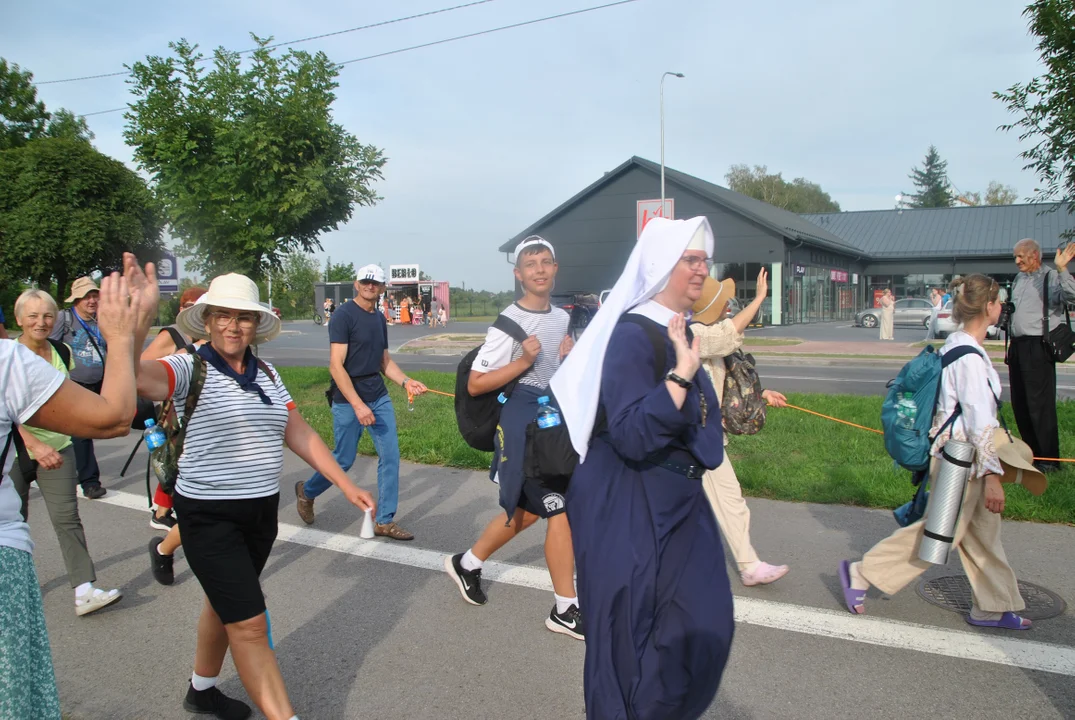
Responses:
[200,683]
[470,561]
[563,603]
[83,589]
[858,580]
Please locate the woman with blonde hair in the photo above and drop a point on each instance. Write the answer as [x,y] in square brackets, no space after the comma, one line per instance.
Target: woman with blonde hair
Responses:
[888,315]
[967,410]
[52,457]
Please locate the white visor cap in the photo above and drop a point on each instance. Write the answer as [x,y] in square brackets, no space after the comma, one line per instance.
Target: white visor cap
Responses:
[371,272]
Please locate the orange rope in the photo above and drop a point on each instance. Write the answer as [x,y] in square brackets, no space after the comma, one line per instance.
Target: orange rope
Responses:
[842,422]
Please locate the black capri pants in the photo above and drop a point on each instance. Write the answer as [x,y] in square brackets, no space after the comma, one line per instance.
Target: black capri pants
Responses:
[227,543]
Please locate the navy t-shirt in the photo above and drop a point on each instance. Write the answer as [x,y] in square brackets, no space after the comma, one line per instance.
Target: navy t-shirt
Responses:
[366,336]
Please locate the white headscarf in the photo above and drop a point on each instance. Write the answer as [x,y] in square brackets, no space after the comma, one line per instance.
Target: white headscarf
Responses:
[577,384]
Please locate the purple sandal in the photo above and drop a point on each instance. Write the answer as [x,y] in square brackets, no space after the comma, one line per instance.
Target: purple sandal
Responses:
[1008,621]
[854,599]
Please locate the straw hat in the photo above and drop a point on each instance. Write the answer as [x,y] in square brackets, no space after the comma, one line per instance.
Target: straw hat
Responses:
[711,304]
[81,288]
[1017,459]
[235,292]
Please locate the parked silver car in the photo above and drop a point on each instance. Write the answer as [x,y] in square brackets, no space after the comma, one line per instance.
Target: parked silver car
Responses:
[946,324]
[908,311]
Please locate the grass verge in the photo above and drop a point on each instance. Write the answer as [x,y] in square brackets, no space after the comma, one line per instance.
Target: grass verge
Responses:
[797,457]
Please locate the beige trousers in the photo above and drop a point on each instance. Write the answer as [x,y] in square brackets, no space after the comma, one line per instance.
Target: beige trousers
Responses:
[893,562]
[726,498]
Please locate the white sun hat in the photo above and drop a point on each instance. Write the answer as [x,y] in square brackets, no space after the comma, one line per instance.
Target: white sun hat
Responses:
[234,292]
[371,272]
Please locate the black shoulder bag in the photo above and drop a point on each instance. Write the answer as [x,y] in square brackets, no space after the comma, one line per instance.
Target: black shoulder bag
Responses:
[1060,341]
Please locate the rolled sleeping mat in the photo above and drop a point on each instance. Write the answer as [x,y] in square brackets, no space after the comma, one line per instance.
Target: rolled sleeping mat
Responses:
[945,501]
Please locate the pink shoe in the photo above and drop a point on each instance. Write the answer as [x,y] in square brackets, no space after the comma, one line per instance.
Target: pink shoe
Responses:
[763,574]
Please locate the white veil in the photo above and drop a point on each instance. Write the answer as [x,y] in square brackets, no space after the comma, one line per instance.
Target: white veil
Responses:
[577,384]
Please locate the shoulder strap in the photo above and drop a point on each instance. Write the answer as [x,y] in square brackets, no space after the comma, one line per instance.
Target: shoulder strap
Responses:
[194,392]
[7,446]
[1045,306]
[656,338]
[26,463]
[177,338]
[509,327]
[64,352]
[947,359]
[268,371]
[956,353]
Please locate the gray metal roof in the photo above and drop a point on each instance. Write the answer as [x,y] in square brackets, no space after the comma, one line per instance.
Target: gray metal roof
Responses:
[779,220]
[985,231]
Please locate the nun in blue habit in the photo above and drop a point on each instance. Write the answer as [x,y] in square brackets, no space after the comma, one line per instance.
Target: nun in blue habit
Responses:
[651,570]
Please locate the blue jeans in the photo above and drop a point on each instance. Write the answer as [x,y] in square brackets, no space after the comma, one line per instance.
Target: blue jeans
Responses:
[347,431]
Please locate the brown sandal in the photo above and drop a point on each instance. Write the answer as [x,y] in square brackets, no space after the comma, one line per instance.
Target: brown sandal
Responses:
[391,530]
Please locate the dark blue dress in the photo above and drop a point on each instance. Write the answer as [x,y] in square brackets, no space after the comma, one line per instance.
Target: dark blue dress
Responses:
[651,574]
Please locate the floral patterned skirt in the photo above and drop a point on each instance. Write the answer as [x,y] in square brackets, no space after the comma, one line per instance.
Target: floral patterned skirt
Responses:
[27,680]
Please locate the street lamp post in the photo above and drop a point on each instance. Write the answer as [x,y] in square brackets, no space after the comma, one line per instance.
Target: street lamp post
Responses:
[673,74]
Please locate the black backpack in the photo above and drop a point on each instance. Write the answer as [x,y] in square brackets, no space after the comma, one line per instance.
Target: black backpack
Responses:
[478,417]
[550,458]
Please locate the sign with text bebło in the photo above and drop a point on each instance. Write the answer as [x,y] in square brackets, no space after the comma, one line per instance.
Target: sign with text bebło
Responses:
[403,274]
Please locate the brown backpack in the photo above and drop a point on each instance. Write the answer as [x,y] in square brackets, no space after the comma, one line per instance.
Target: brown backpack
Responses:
[743,407]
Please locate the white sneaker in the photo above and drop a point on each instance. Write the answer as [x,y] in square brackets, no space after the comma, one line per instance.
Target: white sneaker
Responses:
[94,600]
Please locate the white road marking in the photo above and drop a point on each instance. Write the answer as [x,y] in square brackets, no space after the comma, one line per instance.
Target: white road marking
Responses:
[840,625]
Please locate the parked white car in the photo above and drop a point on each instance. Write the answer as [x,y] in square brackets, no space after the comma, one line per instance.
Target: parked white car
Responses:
[946,324]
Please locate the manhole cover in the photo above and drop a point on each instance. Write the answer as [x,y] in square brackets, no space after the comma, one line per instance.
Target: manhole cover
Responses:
[952,592]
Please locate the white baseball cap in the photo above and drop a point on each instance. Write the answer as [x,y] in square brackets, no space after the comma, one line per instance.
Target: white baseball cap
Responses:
[530,241]
[371,272]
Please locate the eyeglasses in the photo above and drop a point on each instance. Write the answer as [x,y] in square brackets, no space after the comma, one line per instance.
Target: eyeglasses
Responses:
[693,262]
[245,321]
[369,282]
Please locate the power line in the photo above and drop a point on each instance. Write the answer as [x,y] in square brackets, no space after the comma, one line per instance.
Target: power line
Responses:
[290,42]
[486,32]
[446,40]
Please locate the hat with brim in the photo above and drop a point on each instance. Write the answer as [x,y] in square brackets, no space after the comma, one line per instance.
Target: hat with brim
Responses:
[1017,459]
[234,292]
[81,288]
[715,296]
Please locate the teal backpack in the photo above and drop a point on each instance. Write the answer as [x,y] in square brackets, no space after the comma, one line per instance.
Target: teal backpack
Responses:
[910,447]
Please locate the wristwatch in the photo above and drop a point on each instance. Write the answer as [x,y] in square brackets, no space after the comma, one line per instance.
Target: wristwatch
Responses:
[404,383]
[685,384]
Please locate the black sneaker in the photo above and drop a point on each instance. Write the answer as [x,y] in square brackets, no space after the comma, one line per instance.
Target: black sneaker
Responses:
[213,702]
[1047,468]
[469,581]
[162,522]
[567,623]
[93,492]
[161,565]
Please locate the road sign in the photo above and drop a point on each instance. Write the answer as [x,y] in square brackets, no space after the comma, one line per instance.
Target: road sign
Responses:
[168,273]
[646,210]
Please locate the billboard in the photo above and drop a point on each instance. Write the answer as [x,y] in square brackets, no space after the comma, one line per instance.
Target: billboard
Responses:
[646,210]
[168,273]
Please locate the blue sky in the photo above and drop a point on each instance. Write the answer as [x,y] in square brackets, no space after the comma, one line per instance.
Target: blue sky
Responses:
[486,135]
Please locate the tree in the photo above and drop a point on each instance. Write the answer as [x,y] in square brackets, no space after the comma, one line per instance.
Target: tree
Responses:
[998,194]
[248,164]
[932,182]
[1046,104]
[65,124]
[339,273]
[67,210]
[799,196]
[293,285]
[22,116]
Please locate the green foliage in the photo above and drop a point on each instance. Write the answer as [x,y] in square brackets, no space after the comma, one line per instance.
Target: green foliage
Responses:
[1000,194]
[248,163]
[932,182]
[22,116]
[293,285]
[339,272]
[1045,106]
[799,196]
[67,210]
[65,124]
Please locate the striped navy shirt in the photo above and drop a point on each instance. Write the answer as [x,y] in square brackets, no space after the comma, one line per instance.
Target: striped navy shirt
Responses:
[234,447]
[500,349]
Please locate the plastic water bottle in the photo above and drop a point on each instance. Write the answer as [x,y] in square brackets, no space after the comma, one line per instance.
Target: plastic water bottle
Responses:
[153,435]
[906,411]
[547,415]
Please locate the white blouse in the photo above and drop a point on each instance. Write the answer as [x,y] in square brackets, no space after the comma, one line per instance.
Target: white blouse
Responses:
[973,383]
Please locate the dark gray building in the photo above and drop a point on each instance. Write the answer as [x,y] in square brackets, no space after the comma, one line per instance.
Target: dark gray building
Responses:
[821,267]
